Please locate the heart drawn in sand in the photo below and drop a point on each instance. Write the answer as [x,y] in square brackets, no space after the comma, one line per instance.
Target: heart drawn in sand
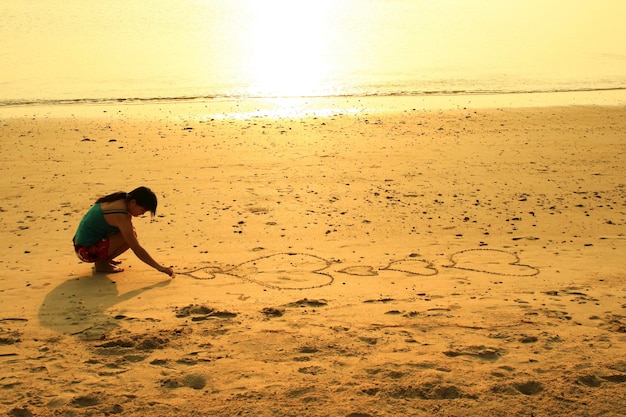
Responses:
[207,272]
[287,271]
[361,271]
[491,261]
[412,266]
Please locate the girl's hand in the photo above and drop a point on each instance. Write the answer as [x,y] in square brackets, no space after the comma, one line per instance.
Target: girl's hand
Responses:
[167,270]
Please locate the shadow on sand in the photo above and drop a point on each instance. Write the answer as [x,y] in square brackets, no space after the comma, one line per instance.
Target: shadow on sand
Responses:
[78,306]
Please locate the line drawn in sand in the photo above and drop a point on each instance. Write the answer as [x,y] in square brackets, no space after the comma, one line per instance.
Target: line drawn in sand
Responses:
[276,271]
[491,261]
[302,271]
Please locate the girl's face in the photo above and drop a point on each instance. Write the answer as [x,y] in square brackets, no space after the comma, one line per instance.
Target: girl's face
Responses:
[135,209]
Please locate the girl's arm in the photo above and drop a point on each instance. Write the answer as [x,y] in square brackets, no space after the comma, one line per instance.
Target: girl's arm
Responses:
[123,223]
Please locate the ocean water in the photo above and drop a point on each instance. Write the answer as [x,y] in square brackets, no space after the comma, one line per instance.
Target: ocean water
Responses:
[77,51]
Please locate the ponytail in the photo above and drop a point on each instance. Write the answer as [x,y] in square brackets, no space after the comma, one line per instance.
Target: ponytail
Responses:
[120,195]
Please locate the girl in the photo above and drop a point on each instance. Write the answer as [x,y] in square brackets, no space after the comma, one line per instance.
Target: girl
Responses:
[106,231]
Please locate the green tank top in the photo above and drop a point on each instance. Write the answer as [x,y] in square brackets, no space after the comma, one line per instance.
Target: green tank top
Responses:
[93,227]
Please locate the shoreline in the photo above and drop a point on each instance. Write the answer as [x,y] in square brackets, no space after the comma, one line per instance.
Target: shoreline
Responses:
[276,108]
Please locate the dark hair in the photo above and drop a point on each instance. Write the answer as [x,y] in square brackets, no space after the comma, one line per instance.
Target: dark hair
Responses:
[142,195]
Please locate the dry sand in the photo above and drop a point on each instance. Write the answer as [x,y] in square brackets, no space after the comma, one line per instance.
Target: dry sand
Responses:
[420,263]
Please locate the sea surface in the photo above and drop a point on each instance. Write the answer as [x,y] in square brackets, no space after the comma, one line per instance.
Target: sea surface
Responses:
[98,51]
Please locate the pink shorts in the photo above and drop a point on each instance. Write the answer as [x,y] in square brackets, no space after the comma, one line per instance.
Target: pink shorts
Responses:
[95,253]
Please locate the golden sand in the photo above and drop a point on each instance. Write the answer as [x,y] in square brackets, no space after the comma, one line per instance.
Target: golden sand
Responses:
[419,263]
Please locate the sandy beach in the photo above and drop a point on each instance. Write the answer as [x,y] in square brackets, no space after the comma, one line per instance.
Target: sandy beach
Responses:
[463,262]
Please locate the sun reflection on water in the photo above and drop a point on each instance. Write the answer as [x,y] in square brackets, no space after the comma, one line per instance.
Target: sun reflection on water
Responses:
[278,49]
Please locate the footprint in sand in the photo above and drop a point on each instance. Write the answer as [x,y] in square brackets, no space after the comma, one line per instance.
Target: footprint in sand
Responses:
[194,381]
[427,391]
[200,313]
[480,352]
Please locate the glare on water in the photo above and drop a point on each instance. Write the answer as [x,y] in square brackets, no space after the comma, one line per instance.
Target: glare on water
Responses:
[292,48]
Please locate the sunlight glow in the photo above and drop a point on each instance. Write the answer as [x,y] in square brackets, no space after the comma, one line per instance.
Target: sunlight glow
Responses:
[288,43]
[275,49]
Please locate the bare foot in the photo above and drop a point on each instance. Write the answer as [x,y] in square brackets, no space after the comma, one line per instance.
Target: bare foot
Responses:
[107,268]
[115,262]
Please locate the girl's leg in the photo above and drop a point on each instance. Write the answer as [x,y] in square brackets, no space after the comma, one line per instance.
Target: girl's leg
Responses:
[117,246]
